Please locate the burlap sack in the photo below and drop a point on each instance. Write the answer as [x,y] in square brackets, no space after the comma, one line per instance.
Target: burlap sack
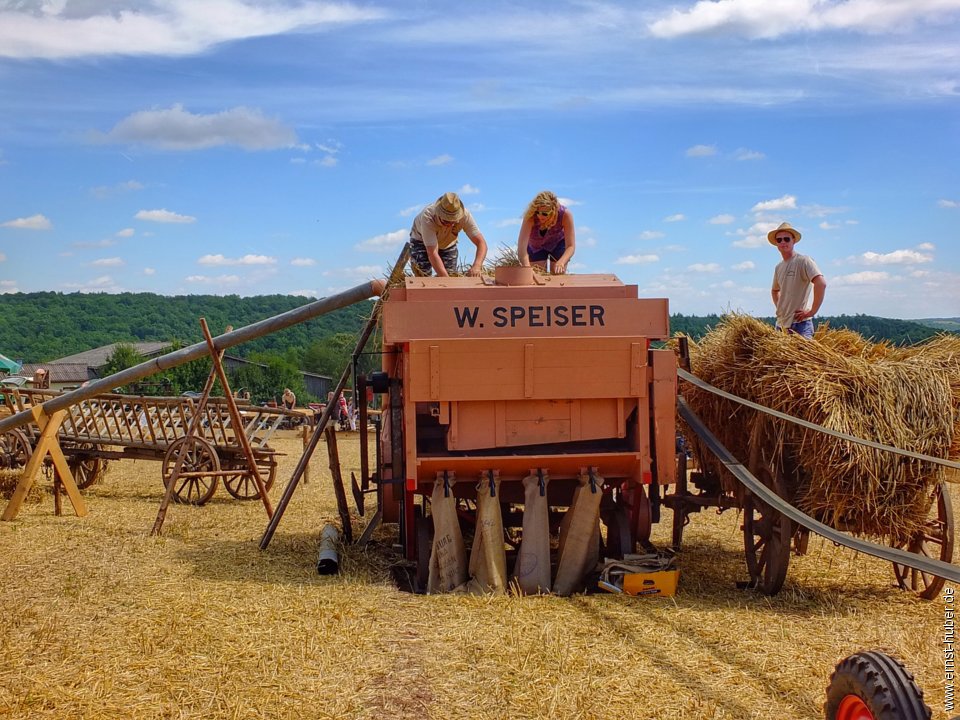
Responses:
[531,572]
[581,536]
[448,557]
[488,558]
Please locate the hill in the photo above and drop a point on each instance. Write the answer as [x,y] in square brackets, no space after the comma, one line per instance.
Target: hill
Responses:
[39,327]
[44,326]
[944,324]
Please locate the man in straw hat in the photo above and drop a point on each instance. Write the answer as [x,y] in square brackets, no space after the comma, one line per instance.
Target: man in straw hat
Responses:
[795,279]
[433,237]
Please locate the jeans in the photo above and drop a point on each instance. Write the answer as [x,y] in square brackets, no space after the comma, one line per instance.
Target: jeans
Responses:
[804,328]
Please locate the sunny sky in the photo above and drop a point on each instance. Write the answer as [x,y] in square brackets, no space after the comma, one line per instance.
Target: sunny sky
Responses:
[284,146]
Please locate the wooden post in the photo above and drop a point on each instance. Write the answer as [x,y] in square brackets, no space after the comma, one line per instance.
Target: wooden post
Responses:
[331,435]
[47,444]
[305,435]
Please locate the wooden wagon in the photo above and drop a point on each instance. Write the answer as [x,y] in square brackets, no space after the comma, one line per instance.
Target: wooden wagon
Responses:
[113,426]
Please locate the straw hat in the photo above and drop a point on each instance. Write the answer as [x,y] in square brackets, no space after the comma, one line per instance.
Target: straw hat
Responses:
[449,207]
[772,235]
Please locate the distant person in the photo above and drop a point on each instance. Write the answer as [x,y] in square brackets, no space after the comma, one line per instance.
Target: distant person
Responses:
[547,239]
[289,399]
[433,238]
[795,280]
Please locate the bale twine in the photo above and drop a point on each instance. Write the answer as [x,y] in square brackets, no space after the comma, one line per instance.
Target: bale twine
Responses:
[839,381]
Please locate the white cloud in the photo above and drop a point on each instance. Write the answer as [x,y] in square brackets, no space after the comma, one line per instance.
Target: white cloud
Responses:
[743,154]
[786,202]
[386,241]
[3,257]
[636,259]
[245,260]
[164,216]
[944,203]
[328,161]
[125,233]
[34,222]
[651,235]
[412,210]
[675,218]
[468,190]
[178,129]
[109,262]
[105,242]
[722,219]
[8,286]
[303,262]
[926,246]
[61,29]
[103,192]
[827,226]
[512,222]
[867,277]
[701,151]
[919,273]
[305,293]
[897,257]
[220,279]
[149,271]
[568,202]
[704,267]
[440,160]
[745,265]
[104,283]
[330,147]
[362,272]
[755,236]
[758,19]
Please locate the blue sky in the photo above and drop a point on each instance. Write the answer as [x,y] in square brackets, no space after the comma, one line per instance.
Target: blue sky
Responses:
[274,146]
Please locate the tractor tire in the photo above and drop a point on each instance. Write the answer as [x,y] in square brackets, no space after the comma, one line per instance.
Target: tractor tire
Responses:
[874,686]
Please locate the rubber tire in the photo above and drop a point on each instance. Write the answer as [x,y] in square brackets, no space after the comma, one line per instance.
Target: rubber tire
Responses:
[881,682]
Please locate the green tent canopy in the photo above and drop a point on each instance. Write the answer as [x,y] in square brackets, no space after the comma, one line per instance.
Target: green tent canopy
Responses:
[8,365]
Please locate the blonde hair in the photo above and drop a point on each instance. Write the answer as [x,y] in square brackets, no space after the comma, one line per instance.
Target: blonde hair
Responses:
[544,200]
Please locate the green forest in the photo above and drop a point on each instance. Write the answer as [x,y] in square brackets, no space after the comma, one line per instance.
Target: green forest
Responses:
[45,326]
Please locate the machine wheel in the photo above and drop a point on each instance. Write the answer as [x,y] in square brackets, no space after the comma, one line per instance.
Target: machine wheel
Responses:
[86,469]
[242,486]
[874,686]
[935,540]
[200,456]
[619,538]
[15,450]
[423,526]
[766,537]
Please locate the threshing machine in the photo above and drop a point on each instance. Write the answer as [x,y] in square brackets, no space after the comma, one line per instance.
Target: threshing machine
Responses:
[531,403]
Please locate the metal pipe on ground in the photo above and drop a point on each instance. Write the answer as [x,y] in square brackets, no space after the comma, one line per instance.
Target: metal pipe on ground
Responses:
[200,349]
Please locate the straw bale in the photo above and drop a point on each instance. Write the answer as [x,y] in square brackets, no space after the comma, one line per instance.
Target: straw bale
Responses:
[9,477]
[842,383]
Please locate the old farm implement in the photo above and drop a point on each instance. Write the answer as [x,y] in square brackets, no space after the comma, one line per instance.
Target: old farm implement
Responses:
[112,426]
[529,429]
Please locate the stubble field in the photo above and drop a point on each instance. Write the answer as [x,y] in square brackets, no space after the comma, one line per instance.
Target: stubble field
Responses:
[101,620]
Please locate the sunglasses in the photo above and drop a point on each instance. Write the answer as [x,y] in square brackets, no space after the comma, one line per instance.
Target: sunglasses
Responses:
[788,238]
[544,213]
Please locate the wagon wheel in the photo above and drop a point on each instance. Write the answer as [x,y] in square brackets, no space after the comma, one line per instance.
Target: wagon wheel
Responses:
[874,686]
[199,456]
[934,540]
[766,536]
[14,450]
[242,485]
[86,469]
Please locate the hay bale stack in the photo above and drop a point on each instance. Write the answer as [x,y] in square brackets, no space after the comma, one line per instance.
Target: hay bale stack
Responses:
[839,381]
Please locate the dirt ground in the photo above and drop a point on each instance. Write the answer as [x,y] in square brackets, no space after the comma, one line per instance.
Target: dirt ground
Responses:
[101,620]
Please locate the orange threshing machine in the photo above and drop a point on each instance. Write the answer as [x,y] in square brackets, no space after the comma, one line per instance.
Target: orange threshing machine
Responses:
[525,395]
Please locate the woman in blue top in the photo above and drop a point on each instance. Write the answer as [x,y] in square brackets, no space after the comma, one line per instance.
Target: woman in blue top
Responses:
[546,234]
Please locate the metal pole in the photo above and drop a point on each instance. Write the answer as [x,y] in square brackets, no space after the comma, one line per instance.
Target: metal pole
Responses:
[200,349]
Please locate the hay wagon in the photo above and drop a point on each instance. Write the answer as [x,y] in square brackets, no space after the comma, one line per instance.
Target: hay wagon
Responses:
[819,469]
[113,426]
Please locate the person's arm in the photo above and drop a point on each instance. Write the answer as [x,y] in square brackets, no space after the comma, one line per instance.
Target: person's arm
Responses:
[436,262]
[481,255]
[570,241]
[819,290]
[523,239]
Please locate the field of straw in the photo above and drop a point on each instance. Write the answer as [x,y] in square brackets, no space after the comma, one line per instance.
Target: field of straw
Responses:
[101,620]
